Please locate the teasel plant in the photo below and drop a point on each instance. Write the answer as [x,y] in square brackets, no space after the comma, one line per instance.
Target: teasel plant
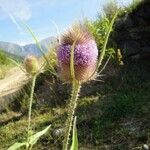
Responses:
[32,68]
[78,62]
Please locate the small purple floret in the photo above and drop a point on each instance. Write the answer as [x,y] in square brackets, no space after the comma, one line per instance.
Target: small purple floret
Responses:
[84,54]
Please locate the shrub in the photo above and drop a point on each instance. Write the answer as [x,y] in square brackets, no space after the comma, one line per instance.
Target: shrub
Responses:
[3,58]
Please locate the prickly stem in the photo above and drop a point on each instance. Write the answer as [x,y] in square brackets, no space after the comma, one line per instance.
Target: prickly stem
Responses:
[76,85]
[30,106]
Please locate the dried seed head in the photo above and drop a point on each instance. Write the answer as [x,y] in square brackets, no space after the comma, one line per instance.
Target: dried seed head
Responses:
[31,65]
[78,33]
[85,54]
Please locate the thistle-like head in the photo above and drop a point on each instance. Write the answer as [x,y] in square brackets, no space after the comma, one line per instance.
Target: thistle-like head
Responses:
[85,54]
[31,65]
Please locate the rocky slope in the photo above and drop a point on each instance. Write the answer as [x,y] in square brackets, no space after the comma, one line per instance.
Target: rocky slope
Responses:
[133,31]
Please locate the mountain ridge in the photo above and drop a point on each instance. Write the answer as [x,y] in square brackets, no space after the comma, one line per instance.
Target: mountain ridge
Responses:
[28,49]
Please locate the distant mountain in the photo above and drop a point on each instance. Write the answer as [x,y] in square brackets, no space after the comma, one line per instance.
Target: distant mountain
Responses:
[29,49]
[11,48]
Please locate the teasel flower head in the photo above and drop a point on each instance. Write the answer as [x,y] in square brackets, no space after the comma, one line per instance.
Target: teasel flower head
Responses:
[85,54]
[31,65]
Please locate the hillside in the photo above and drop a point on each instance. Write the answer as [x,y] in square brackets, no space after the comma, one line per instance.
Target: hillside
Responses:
[11,85]
[10,55]
[113,114]
[5,63]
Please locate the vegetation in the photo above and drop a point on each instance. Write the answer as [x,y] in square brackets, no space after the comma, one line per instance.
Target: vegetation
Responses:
[5,64]
[112,113]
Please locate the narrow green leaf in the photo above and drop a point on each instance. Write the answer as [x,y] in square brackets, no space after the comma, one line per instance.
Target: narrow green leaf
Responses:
[39,46]
[57,29]
[16,146]
[16,63]
[35,39]
[74,145]
[34,138]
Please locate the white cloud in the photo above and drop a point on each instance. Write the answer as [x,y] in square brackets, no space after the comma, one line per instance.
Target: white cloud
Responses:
[15,10]
[20,9]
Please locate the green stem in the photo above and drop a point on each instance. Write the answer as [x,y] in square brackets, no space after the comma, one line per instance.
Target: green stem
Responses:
[30,106]
[106,40]
[103,51]
[76,85]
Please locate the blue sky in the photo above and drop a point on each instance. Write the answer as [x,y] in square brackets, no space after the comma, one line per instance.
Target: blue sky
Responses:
[42,15]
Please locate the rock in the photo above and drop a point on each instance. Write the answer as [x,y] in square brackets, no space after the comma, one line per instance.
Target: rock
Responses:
[128,22]
[130,48]
[124,23]
[145,147]
[146,49]
[132,31]
[56,133]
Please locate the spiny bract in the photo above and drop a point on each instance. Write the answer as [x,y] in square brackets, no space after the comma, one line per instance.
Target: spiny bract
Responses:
[85,54]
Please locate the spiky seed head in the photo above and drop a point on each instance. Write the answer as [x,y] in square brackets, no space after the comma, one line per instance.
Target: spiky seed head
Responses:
[85,54]
[31,65]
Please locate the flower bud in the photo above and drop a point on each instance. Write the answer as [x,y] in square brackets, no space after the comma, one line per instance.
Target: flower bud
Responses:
[31,65]
[85,54]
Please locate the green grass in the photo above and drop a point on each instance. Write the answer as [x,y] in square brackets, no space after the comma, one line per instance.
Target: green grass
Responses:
[112,114]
